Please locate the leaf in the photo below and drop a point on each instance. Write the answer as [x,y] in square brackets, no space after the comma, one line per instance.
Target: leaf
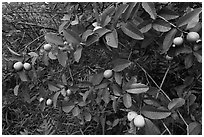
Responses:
[106,96]
[194,128]
[87,116]
[102,31]
[128,10]
[117,91]
[86,34]
[112,39]
[168,14]
[137,88]
[145,26]
[184,50]
[121,64]
[193,22]
[92,39]
[77,54]
[97,78]
[55,97]
[115,122]
[75,111]
[119,10]
[161,25]
[118,78]
[53,38]
[68,108]
[198,57]
[52,87]
[62,58]
[191,99]
[15,90]
[188,61]
[188,17]
[150,9]
[152,102]
[151,128]
[62,26]
[107,12]
[176,103]
[168,40]
[127,100]
[22,76]
[154,113]
[71,37]
[132,31]
[135,10]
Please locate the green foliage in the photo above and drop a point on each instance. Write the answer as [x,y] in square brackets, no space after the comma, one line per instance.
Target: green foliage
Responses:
[133,40]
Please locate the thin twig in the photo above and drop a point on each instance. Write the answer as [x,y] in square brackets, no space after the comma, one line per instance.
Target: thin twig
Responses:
[163,80]
[166,127]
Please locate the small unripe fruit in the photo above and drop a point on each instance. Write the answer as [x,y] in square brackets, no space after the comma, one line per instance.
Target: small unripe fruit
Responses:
[131,115]
[18,66]
[41,99]
[139,121]
[69,92]
[192,36]
[108,74]
[178,41]
[47,47]
[27,66]
[49,102]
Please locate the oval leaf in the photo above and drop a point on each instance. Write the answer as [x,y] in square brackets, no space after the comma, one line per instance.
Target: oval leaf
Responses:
[128,10]
[92,39]
[154,113]
[127,100]
[176,103]
[67,109]
[62,58]
[53,38]
[168,14]
[168,40]
[137,88]
[75,111]
[71,37]
[151,128]
[97,78]
[112,39]
[23,76]
[188,61]
[161,26]
[87,116]
[121,64]
[194,128]
[188,17]
[77,54]
[150,9]
[106,96]
[132,31]
[198,57]
[145,26]
[119,10]
[101,31]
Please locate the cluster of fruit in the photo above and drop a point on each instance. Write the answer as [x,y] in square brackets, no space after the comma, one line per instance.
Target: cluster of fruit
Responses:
[49,101]
[18,66]
[192,37]
[137,119]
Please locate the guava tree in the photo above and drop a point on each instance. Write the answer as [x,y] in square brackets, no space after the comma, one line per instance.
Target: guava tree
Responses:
[128,67]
